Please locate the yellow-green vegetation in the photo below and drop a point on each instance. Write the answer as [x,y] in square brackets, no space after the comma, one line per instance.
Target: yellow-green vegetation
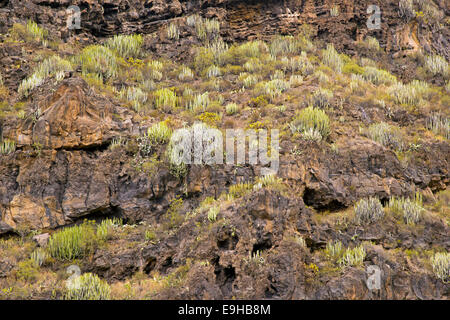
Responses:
[173,217]
[53,66]
[311,119]
[7,146]
[441,266]
[239,190]
[387,135]
[39,257]
[332,58]
[352,257]
[98,60]
[231,108]
[73,242]
[198,103]
[212,213]
[88,286]
[368,210]
[165,100]
[126,46]
[436,64]
[106,227]
[410,209]
[379,76]
[136,96]
[439,124]
[321,98]
[173,32]
[334,250]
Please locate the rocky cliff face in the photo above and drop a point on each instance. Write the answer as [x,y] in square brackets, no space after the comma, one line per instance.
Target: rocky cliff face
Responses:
[63,169]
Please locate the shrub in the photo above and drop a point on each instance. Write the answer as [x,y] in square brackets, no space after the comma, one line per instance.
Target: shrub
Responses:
[27,270]
[248,80]
[185,74]
[334,11]
[7,146]
[165,99]
[439,124]
[387,135]
[36,33]
[321,98]
[136,96]
[272,88]
[352,257]
[213,71]
[332,59]
[212,213]
[295,80]
[411,209]
[99,60]
[284,45]
[368,210]
[371,43]
[158,133]
[267,181]
[72,242]
[311,118]
[200,102]
[50,66]
[312,135]
[334,250]
[441,266]
[88,287]
[126,46]
[407,94]
[39,256]
[239,190]
[173,32]
[231,108]
[436,65]
[378,76]
[105,228]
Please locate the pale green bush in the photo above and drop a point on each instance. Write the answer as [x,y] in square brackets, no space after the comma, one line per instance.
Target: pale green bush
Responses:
[7,146]
[39,256]
[126,45]
[368,210]
[72,242]
[165,99]
[136,96]
[378,76]
[411,209]
[231,108]
[439,124]
[212,213]
[441,266]
[436,64]
[311,118]
[353,257]
[332,59]
[199,102]
[321,98]
[186,74]
[88,287]
[52,66]
[106,227]
[99,60]
[387,135]
[173,32]
[334,250]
